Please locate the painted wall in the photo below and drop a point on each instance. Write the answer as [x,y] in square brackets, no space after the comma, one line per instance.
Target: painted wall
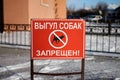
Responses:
[21,11]
[41,9]
[61,8]
[16,12]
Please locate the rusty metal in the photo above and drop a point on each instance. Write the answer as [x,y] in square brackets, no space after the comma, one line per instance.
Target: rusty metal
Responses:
[58,74]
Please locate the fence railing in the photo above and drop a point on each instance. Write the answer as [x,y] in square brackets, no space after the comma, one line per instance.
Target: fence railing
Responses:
[100,37]
[16,34]
[103,38]
[103,29]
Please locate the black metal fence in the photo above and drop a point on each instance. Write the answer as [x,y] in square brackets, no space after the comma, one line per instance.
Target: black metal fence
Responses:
[99,37]
[103,38]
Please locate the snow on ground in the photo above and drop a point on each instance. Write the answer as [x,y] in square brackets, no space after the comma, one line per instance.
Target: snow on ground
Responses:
[18,67]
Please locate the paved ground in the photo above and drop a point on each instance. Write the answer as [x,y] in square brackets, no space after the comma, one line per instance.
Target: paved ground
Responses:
[15,65]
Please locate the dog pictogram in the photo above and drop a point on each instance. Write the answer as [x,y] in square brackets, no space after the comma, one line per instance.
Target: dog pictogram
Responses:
[58,39]
[55,39]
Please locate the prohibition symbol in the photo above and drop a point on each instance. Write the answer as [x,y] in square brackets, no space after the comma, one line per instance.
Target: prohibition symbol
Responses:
[58,39]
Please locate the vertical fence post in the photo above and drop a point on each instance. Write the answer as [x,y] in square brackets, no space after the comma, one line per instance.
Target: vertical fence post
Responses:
[109,28]
[32,70]
[1,17]
[82,69]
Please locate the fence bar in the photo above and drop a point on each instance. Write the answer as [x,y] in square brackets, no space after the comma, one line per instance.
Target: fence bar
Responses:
[58,74]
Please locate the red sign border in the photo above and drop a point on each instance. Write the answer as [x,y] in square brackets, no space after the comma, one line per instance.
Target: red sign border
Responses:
[60,58]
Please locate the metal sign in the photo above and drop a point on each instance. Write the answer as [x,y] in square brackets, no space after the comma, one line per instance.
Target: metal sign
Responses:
[58,39]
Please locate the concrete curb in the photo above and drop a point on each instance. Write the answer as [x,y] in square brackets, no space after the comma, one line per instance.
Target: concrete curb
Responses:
[103,54]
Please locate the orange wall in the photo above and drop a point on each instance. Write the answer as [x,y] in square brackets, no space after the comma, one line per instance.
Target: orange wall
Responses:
[21,11]
[38,9]
[16,12]
[61,8]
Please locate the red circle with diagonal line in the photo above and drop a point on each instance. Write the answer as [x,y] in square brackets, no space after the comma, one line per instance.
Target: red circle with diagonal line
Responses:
[58,39]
